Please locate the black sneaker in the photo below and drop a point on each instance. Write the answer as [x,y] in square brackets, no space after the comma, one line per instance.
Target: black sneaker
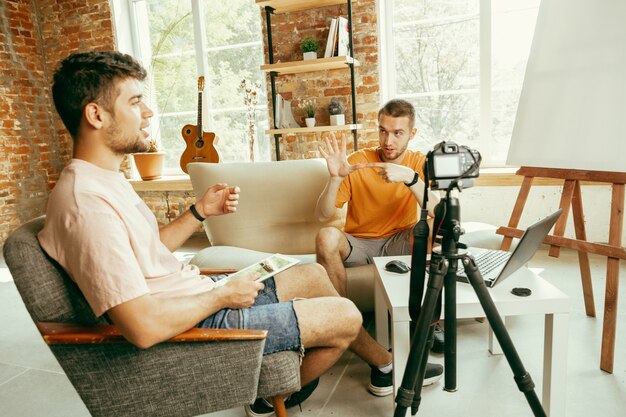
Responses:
[263,408]
[434,371]
[381,384]
[439,342]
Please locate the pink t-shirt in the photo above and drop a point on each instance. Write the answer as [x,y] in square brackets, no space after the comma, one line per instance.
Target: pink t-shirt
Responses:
[101,232]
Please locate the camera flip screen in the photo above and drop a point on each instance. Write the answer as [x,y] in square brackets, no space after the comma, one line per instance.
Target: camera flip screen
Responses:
[447,166]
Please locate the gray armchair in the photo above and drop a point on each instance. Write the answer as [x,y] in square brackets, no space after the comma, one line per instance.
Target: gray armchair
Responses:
[199,371]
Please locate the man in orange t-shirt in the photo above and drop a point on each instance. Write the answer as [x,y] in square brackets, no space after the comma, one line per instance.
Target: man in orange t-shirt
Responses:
[383,187]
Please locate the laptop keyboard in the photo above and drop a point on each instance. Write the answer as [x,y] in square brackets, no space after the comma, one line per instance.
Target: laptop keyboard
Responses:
[488,261]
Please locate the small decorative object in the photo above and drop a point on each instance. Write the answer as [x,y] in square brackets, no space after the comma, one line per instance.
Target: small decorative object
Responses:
[149,164]
[309,47]
[308,106]
[335,109]
[250,99]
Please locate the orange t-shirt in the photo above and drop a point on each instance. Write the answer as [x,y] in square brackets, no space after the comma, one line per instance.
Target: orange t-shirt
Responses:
[378,209]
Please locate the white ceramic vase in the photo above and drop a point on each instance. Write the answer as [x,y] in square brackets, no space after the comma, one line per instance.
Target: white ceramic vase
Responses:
[337,119]
[309,55]
[310,121]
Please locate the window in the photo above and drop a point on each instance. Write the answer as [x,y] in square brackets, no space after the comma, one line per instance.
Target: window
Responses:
[461,63]
[177,41]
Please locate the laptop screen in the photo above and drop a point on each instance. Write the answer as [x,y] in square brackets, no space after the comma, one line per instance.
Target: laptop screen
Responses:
[528,245]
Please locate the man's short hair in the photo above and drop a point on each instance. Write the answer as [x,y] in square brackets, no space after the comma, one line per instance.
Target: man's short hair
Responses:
[399,108]
[90,77]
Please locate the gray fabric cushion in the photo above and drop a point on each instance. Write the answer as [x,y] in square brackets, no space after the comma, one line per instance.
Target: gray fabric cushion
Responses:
[280,374]
[170,379]
[48,292]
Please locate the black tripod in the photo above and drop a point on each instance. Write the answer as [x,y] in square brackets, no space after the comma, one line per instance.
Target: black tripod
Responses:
[442,272]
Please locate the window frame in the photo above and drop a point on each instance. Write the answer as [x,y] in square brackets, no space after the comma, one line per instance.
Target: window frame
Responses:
[130,16]
[387,67]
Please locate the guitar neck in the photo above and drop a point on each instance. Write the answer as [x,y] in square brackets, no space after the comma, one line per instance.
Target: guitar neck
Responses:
[199,115]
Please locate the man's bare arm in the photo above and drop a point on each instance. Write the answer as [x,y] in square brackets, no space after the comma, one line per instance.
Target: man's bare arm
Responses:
[338,169]
[325,208]
[399,173]
[148,320]
[219,199]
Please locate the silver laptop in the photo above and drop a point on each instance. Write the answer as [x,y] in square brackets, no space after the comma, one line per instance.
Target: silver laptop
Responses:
[497,265]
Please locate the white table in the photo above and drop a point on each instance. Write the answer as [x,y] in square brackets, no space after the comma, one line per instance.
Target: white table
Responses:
[392,298]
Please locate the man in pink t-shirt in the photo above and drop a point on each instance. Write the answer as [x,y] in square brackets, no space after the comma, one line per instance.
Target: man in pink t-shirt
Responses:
[108,241]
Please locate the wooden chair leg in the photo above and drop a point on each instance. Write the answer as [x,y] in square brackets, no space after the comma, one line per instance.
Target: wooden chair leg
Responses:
[279,406]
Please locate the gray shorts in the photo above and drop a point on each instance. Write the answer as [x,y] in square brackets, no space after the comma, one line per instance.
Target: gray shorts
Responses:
[267,313]
[363,251]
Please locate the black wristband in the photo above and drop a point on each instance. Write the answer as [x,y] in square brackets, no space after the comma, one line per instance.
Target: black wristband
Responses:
[194,211]
[415,179]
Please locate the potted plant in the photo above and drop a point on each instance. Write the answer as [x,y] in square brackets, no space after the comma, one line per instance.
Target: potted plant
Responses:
[335,109]
[308,106]
[149,164]
[309,47]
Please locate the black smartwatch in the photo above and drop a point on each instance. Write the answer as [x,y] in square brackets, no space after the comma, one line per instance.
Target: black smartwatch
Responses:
[194,211]
[412,183]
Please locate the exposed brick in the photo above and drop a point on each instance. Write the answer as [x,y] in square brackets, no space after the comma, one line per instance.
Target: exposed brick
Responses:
[35,144]
[287,32]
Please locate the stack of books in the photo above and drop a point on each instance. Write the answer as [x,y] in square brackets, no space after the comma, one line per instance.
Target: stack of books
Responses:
[338,43]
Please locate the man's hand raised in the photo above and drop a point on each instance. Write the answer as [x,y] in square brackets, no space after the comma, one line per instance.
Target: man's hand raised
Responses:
[218,199]
[335,156]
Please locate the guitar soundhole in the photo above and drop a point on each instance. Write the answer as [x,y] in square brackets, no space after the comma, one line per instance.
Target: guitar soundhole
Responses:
[199,143]
[188,131]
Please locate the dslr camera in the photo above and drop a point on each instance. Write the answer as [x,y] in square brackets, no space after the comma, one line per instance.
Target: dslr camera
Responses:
[452,164]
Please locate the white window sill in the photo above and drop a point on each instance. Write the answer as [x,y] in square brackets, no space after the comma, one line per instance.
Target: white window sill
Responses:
[489,177]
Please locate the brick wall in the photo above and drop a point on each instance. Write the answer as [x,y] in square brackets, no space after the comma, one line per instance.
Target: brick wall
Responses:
[288,30]
[34,146]
[36,34]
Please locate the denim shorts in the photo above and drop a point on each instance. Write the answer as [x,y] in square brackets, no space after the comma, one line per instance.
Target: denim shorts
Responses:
[267,313]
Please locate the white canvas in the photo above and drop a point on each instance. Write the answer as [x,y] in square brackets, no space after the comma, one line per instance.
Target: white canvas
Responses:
[572,109]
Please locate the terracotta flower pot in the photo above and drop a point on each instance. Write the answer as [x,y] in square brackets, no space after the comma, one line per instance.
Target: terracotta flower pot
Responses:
[149,164]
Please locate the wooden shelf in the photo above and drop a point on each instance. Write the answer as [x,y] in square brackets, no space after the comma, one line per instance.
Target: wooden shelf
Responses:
[165,183]
[286,6]
[320,64]
[316,129]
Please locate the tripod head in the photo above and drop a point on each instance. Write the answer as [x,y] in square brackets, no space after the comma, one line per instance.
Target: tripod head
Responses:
[447,223]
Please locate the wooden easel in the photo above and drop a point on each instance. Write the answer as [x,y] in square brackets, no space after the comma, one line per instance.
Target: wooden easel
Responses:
[571,196]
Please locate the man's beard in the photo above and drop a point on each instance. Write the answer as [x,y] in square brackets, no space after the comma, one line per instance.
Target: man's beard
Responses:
[121,144]
[396,154]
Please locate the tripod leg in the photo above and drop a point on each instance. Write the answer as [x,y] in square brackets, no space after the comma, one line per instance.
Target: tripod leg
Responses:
[450,328]
[521,376]
[404,399]
[421,372]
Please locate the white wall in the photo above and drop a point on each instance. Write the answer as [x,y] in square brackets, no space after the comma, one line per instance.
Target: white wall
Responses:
[494,205]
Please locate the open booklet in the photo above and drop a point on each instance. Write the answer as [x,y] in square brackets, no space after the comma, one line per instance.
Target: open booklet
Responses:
[266,268]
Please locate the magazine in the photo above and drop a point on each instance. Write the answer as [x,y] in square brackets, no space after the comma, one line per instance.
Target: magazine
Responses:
[266,268]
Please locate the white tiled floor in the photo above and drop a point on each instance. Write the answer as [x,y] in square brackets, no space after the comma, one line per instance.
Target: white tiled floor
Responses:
[33,384]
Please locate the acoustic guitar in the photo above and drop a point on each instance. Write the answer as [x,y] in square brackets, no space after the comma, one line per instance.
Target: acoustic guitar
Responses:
[200,144]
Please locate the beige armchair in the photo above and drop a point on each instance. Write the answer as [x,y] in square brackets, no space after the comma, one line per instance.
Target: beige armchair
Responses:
[276,213]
